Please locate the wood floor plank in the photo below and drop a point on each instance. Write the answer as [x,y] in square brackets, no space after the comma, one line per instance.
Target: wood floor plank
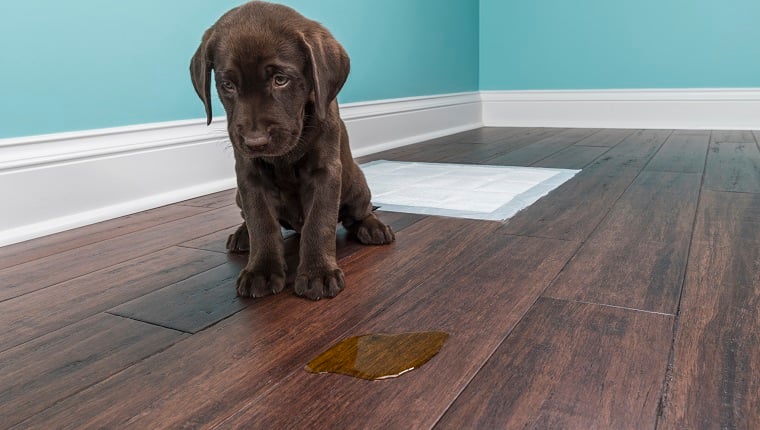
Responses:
[226,365]
[732,136]
[191,304]
[541,148]
[44,272]
[404,153]
[456,149]
[572,366]
[483,153]
[489,140]
[468,147]
[431,151]
[606,137]
[41,312]
[572,157]
[637,256]
[485,135]
[449,302]
[216,241]
[44,371]
[579,357]
[573,210]
[200,301]
[682,152]
[495,134]
[34,249]
[716,363]
[215,200]
[733,167]
[634,151]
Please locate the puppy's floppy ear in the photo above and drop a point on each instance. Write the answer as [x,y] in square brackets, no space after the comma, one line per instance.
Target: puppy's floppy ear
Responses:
[329,67]
[200,72]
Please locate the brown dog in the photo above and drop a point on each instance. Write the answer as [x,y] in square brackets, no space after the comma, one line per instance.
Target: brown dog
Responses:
[278,75]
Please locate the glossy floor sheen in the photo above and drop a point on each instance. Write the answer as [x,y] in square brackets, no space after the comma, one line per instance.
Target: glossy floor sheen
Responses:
[627,298]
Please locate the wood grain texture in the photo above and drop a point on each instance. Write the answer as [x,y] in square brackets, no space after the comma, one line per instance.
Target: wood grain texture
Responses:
[637,256]
[462,303]
[431,151]
[732,136]
[542,148]
[570,212]
[41,312]
[571,366]
[554,363]
[215,200]
[200,301]
[207,377]
[23,252]
[733,167]
[606,137]
[191,304]
[485,135]
[44,272]
[483,153]
[39,373]
[716,364]
[216,241]
[682,152]
[467,147]
[572,157]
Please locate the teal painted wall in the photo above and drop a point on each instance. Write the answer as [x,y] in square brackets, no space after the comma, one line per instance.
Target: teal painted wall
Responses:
[85,64]
[597,44]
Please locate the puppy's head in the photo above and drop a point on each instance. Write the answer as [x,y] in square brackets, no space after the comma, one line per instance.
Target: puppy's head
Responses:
[274,71]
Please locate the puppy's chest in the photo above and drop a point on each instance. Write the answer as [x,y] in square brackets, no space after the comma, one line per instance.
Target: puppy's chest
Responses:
[283,185]
[280,182]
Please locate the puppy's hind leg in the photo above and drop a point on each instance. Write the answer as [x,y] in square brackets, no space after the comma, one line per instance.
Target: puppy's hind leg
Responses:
[360,221]
[371,231]
[238,242]
[357,216]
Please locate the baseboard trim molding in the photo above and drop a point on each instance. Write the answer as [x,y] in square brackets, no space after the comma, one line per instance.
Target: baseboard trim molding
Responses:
[61,181]
[699,109]
[387,124]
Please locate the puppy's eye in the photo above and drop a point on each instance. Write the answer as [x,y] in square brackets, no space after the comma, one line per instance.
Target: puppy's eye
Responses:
[227,86]
[280,80]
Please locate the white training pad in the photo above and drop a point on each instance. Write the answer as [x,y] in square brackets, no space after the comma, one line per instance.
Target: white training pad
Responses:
[459,190]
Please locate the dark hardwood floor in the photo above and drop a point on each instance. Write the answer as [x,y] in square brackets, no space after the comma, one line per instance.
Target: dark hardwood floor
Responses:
[627,298]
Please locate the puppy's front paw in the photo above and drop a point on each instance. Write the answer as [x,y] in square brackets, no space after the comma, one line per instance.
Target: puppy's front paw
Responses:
[372,231]
[315,284]
[260,283]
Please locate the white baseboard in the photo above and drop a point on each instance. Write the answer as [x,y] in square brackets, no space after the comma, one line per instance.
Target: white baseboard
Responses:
[715,109]
[50,183]
[386,124]
[55,182]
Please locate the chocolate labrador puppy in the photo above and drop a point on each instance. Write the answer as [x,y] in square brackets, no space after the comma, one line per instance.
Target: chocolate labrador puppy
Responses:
[278,75]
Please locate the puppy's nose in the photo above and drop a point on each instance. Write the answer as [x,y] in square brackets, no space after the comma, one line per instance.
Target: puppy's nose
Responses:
[256,139]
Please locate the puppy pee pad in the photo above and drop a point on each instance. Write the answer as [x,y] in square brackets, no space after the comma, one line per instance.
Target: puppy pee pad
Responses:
[459,190]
